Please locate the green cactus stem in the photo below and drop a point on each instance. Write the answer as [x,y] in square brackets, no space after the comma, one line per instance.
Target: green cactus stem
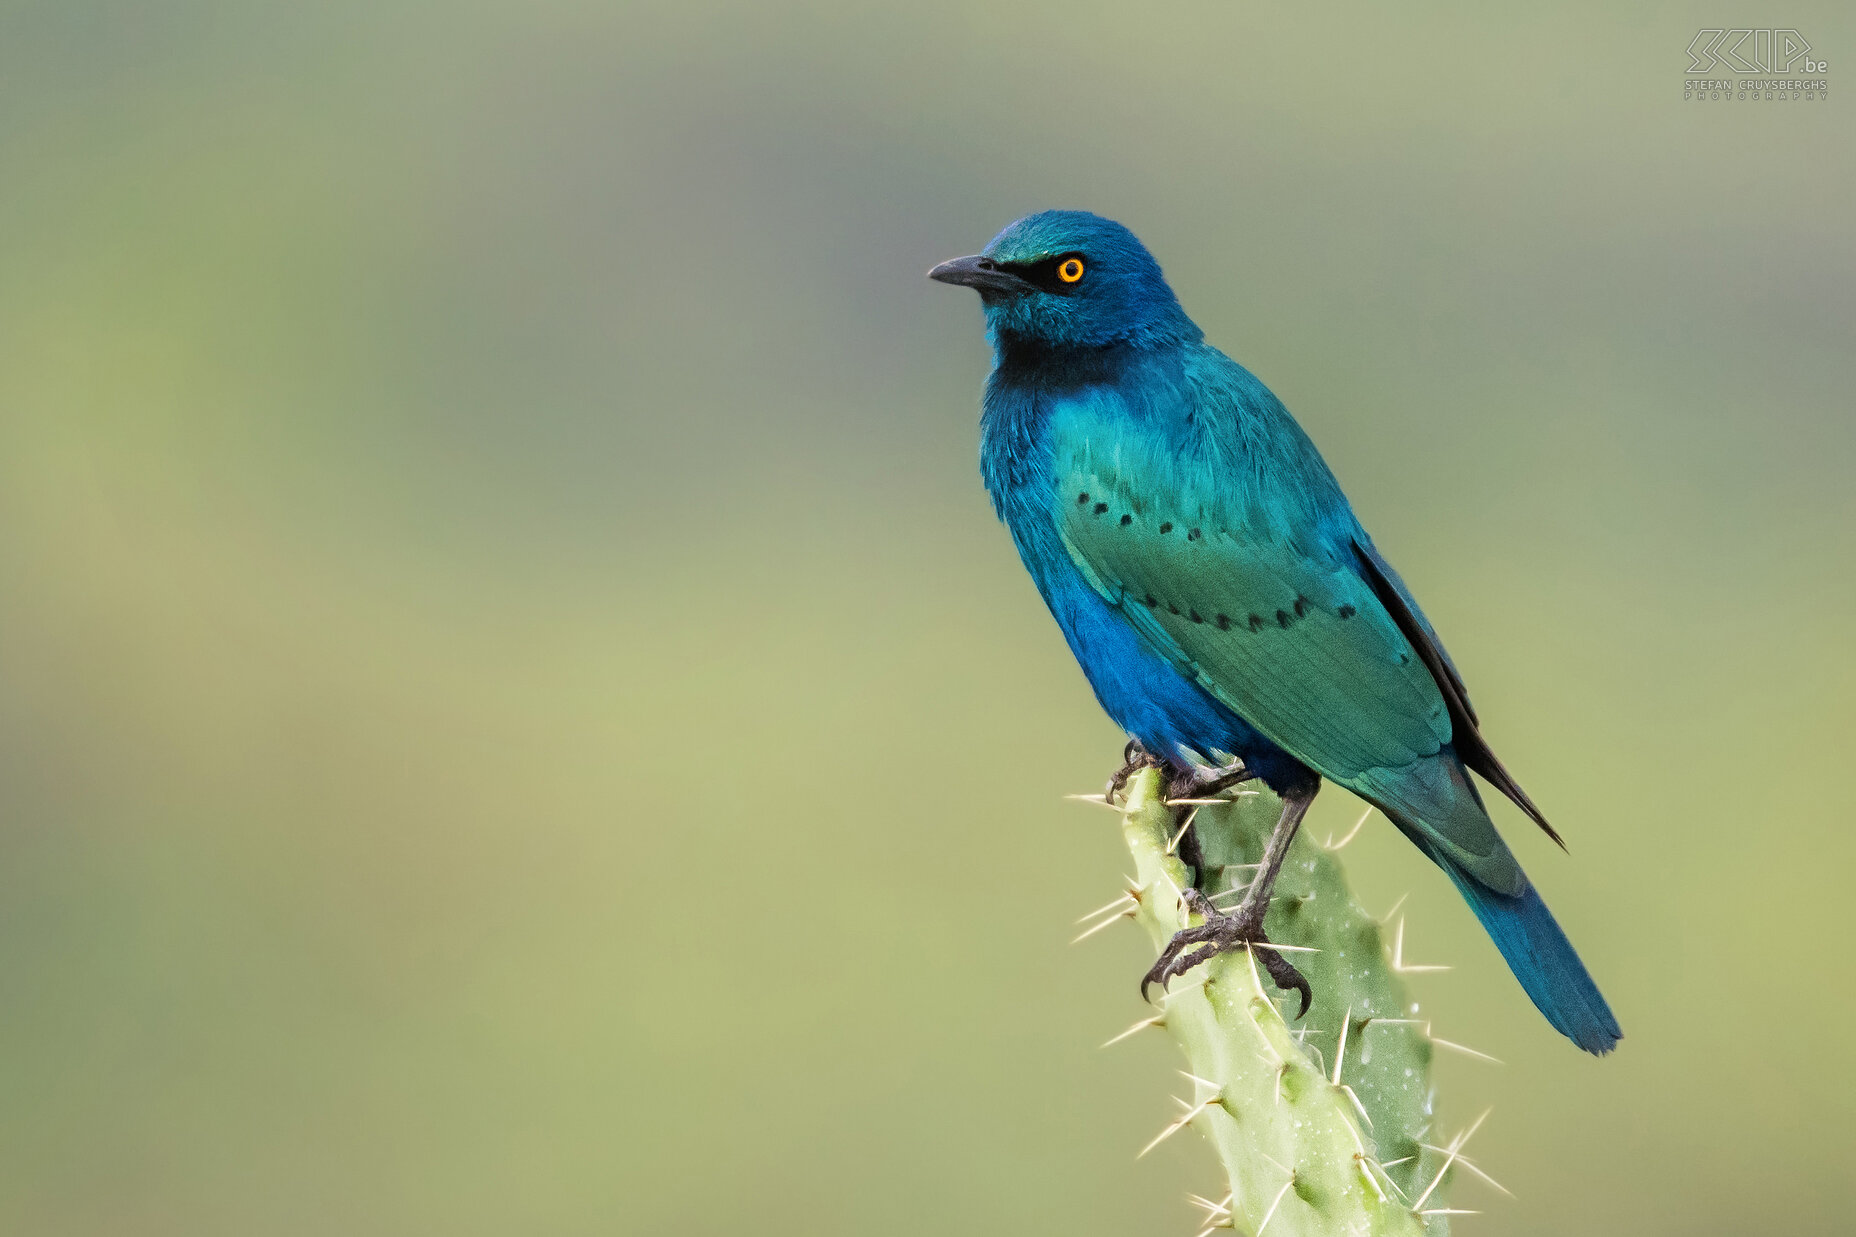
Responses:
[1322,1125]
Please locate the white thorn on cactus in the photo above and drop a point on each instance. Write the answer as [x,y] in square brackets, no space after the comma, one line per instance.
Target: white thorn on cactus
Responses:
[1464,1049]
[1360,1161]
[1472,1166]
[1158,1020]
[1192,1110]
[1462,1140]
[1086,933]
[1392,910]
[1388,1176]
[1217,1087]
[1161,1137]
[1447,1211]
[1399,965]
[1359,1107]
[1331,845]
[1277,1202]
[1212,1210]
[1172,847]
[1098,800]
[1435,1182]
[1116,905]
[1450,1156]
[1340,1053]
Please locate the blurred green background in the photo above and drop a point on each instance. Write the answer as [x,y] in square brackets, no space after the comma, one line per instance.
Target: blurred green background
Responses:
[517,717]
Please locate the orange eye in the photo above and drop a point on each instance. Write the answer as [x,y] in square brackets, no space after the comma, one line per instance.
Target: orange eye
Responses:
[1071,270]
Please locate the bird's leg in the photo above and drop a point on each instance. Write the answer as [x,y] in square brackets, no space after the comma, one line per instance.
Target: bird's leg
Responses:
[1243,927]
[1134,758]
[1194,782]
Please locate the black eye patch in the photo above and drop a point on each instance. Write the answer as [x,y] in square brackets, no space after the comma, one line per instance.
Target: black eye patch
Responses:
[1046,274]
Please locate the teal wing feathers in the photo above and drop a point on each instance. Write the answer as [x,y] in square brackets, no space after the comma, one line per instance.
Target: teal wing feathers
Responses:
[1295,642]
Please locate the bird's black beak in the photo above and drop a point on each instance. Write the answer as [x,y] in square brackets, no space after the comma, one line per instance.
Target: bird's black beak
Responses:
[981,273]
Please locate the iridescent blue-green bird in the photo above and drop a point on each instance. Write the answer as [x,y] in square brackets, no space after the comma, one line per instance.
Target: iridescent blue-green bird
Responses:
[1226,605]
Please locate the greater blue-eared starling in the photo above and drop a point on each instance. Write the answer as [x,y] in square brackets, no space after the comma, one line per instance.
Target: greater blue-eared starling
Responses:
[1224,602]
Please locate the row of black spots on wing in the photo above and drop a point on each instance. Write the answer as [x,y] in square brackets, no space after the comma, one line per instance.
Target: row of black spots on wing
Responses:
[1298,609]
[1255,622]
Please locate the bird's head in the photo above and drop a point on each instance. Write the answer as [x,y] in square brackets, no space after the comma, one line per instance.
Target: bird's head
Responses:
[1067,278]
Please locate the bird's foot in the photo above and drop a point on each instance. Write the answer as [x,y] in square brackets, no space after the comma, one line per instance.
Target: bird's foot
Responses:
[1222,933]
[1189,782]
[1196,782]
[1134,758]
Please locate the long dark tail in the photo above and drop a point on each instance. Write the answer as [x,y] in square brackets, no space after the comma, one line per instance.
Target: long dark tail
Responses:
[1541,958]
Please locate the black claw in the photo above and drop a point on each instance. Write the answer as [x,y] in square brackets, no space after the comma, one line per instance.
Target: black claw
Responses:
[1134,758]
[1286,977]
[1176,961]
[1166,966]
